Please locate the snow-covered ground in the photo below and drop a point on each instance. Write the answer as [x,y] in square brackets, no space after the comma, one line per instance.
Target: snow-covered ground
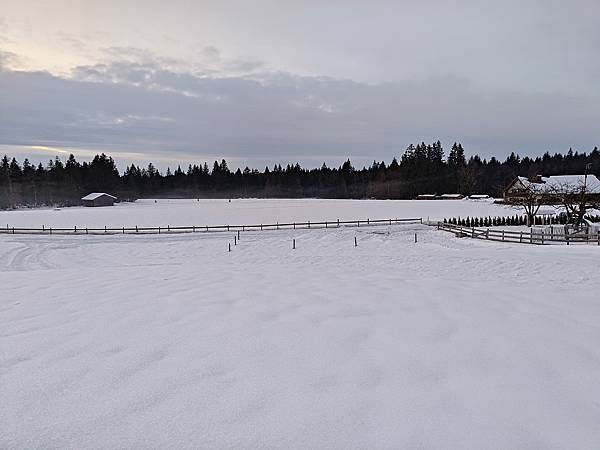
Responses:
[154,213]
[171,341]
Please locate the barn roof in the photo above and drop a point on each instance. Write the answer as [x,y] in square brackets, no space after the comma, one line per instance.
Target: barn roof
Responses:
[95,195]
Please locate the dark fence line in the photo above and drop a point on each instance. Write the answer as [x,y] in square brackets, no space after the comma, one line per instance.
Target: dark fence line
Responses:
[207,228]
[521,237]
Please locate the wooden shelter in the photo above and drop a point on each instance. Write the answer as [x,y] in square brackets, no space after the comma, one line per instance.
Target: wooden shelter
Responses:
[98,199]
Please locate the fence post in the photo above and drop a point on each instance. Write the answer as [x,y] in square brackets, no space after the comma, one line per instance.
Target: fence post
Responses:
[234,239]
[13,229]
[294,225]
[193,228]
[278,224]
[487,233]
[309,224]
[229,246]
[158,230]
[542,237]
[391,222]
[358,223]
[238,236]
[325,224]
[502,235]
[521,238]
[86,230]
[43,228]
[261,226]
[169,228]
[531,235]
[338,223]
[75,229]
[356,243]
[598,237]
[367,221]
[293,244]
[415,238]
[136,229]
[123,230]
[50,230]
[227,227]
[473,232]
[105,228]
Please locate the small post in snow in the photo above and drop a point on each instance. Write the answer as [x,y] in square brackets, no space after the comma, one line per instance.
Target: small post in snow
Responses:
[229,246]
[293,244]
[238,236]
[234,239]
[415,238]
[355,242]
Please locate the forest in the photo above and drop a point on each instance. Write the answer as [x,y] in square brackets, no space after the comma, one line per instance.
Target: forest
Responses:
[422,169]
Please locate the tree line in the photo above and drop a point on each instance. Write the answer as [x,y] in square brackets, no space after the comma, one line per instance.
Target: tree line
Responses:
[422,169]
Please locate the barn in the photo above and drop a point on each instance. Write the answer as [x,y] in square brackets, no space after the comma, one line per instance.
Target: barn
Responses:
[98,199]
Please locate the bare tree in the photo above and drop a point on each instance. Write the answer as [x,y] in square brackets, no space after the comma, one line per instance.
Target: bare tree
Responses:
[530,197]
[575,197]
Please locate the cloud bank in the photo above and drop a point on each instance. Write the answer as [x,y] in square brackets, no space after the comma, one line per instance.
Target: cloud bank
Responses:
[147,104]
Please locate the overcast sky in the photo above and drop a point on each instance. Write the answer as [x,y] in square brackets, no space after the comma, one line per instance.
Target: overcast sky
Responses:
[260,82]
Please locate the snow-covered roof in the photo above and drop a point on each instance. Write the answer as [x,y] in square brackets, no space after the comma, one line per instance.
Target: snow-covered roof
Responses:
[563,182]
[452,196]
[477,196]
[95,195]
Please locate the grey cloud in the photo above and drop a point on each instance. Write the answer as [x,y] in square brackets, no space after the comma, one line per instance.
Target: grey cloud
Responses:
[8,59]
[268,117]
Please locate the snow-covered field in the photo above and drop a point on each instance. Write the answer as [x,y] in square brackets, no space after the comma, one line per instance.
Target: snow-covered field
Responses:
[154,213]
[171,341]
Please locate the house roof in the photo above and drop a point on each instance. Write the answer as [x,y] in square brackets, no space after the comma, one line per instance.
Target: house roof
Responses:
[562,182]
[95,195]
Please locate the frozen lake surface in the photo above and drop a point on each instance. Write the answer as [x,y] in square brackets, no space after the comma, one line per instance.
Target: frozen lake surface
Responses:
[171,341]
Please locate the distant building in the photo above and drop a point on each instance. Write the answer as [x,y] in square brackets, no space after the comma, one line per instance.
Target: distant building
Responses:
[547,187]
[452,196]
[98,199]
[426,197]
[478,196]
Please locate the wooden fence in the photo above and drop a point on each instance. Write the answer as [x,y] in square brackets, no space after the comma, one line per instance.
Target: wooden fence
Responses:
[521,237]
[207,228]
